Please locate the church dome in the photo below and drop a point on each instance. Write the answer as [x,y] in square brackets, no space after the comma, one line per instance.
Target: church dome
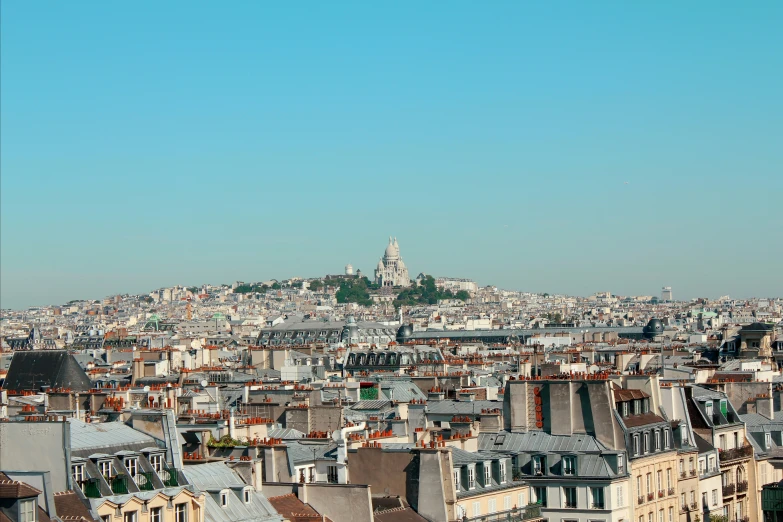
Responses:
[653,328]
[404,332]
[391,252]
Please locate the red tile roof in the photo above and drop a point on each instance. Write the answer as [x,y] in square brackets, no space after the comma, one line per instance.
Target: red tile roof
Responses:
[294,509]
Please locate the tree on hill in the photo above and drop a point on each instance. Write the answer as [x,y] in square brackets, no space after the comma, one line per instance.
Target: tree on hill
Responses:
[354,291]
[427,292]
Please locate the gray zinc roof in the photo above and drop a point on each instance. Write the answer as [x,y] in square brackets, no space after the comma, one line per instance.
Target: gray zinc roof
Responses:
[98,435]
[538,441]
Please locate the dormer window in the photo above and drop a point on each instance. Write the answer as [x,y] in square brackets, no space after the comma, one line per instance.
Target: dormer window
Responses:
[224,499]
[456,479]
[620,464]
[657,440]
[502,471]
[246,495]
[105,468]
[27,510]
[637,406]
[666,439]
[181,512]
[487,474]
[646,442]
[132,465]
[768,440]
[471,478]
[156,461]
[625,409]
[539,464]
[646,405]
[569,465]
[708,409]
[78,474]
[636,444]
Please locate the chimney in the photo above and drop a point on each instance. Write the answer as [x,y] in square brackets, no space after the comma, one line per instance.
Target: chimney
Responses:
[764,407]
[232,424]
[137,370]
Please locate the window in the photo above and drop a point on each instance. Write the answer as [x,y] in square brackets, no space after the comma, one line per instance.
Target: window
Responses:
[569,465]
[657,440]
[620,499]
[521,500]
[711,461]
[539,464]
[646,442]
[224,500]
[639,485]
[636,444]
[767,440]
[487,474]
[659,476]
[671,514]
[669,478]
[156,514]
[502,471]
[27,510]
[660,515]
[682,499]
[157,463]
[682,466]
[620,464]
[132,465]
[714,497]
[625,409]
[598,498]
[506,502]
[541,496]
[105,467]
[476,509]
[491,506]
[129,516]
[106,518]
[569,495]
[649,483]
[78,474]
[704,502]
[722,442]
[736,439]
[637,407]
[246,496]
[471,478]
[331,475]
[456,478]
[311,474]
[708,409]
[666,439]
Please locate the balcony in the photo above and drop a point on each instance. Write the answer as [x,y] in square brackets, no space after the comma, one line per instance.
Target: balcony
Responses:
[531,512]
[118,484]
[90,487]
[683,475]
[728,490]
[743,452]
[650,496]
[169,477]
[694,506]
[742,487]
[144,481]
[693,473]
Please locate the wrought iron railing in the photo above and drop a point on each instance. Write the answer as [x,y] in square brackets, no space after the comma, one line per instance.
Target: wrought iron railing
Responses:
[90,487]
[144,481]
[736,453]
[118,484]
[728,490]
[170,477]
[530,512]
[742,487]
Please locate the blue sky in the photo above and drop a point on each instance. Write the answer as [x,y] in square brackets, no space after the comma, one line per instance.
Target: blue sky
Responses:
[147,144]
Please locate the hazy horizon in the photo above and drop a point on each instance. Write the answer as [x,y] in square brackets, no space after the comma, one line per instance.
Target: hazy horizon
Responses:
[570,148]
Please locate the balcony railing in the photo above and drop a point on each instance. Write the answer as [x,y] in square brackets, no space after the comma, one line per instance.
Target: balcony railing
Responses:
[671,491]
[570,504]
[694,506]
[118,484]
[90,488]
[693,473]
[742,487]
[598,505]
[683,475]
[728,490]
[144,481]
[742,452]
[170,477]
[641,500]
[650,496]
[661,493]
[530,512]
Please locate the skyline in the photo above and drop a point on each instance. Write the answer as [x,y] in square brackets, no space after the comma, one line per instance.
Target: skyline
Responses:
[209,146]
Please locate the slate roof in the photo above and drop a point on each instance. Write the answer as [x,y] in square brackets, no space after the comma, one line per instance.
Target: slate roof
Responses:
[215,476]
[31,370]
[302,452]
[538,442]
[449,407]
[114,436]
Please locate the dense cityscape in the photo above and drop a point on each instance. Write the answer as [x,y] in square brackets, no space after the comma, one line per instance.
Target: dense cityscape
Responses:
[390,397]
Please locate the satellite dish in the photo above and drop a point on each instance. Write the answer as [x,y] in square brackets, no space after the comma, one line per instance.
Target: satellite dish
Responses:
[146,388]
[204,383]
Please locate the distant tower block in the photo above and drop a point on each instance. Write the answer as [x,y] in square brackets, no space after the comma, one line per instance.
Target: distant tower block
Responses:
[666,293]
[349,269]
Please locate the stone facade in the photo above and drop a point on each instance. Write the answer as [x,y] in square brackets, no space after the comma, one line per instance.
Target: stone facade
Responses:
[391,271]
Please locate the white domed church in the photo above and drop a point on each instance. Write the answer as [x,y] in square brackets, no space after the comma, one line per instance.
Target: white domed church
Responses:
[391,271]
